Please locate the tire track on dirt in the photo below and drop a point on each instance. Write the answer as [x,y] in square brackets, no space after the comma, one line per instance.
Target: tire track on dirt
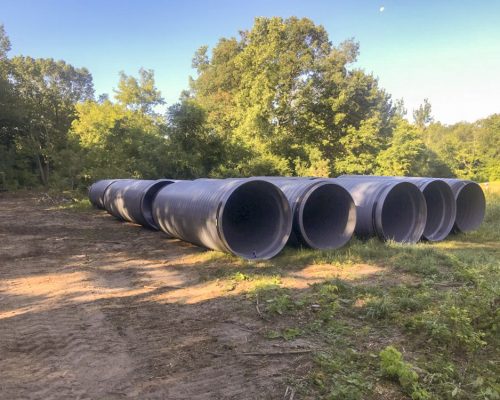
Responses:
[61,354]
[130,343]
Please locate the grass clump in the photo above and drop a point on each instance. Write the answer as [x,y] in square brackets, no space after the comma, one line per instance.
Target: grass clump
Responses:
[74,204]
[287,334]
[393,366]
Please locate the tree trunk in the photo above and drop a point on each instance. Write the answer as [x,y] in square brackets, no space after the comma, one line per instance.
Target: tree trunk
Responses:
[43,169]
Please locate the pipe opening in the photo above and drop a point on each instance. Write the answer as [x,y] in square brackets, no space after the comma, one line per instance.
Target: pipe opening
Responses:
[403,214]
[328,217]
[147,202]
[440,210]
[256,220]
[471,206]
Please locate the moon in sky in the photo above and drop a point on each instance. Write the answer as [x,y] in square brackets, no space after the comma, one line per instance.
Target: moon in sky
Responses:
[381,9]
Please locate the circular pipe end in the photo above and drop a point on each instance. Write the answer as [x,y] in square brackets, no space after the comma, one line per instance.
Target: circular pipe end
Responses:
[441,210]
[401,213]
[471,207]
[326,216]
[254,220]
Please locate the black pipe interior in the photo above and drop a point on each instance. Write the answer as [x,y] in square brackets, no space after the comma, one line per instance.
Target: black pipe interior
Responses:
[438,198]
[470,207]
[326,215]
[253,219]
[147,202]
[399,214]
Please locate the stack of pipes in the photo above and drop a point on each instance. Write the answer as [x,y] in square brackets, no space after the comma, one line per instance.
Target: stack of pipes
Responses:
[254,218]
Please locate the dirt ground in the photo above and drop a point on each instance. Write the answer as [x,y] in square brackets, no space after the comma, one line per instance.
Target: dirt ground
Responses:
[92,308]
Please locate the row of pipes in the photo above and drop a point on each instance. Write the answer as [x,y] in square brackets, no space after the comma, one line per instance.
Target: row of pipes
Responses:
[255,218]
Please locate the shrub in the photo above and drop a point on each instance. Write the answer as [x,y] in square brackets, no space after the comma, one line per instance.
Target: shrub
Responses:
[393,366]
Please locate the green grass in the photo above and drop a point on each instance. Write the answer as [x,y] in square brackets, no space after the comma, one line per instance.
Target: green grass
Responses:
[434,335]
[75,204]
[72,200]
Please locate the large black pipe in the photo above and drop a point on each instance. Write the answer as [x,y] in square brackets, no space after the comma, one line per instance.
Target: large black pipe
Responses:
[390,209]
[131,200]
[250,218]
[440,202]
[324,214]
[96,192]
[471,204]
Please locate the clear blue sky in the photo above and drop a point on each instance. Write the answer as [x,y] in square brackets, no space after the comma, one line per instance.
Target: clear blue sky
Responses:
[448,51]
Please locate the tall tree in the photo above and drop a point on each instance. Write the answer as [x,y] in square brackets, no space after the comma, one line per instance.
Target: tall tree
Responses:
[127,138]
[489,146]
[405,153]
[422,116]
[10,164]
[4,43]
[47,92]
[280,85]
[139,94]
[194,150]
[5,86]
[360,148]
[118,142]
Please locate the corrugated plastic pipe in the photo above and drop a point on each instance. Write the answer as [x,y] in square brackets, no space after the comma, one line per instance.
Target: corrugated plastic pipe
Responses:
[390,209]
[324,214]
[96,192]
[440,202]
[132,199]
[250,218]
[471,204]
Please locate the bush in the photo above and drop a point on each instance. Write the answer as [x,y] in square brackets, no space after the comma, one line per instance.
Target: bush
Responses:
[393,366]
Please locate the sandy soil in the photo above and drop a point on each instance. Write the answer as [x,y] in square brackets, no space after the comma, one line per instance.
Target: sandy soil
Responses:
[93,308]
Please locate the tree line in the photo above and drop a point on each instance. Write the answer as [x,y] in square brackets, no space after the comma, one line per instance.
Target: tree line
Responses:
[279,99]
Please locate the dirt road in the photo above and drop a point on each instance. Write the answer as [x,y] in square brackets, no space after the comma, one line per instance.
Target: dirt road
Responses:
[92,308]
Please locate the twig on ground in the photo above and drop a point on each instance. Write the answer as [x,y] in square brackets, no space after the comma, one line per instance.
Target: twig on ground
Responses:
[277,353]
[289,393]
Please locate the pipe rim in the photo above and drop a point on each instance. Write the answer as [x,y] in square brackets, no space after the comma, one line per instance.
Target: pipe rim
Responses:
[337,239]
[109,202]
[447,212]
[418,211]
[284,227]
[474,216]
[147,199]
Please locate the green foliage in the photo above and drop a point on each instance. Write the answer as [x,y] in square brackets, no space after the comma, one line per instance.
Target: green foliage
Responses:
[405,153]
[239,277]
[287,334]
[470,149]
[422,116]
[194,150]
[42,94]
[360,148]
[4,43]
[279,304]
[77,204]
[279,99]
[138,94]
[449,325]
[379,307]
[118,142]
[340,375]
[393,366]
[281,86]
